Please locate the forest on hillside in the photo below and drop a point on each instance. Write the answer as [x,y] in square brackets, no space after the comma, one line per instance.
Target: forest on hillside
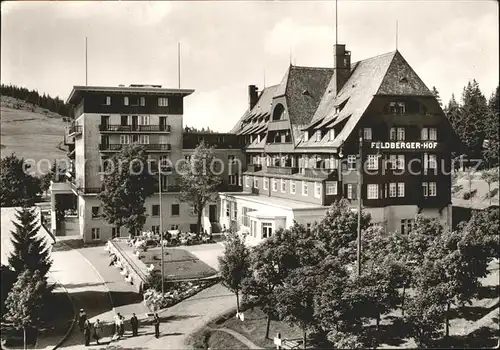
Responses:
[53,104]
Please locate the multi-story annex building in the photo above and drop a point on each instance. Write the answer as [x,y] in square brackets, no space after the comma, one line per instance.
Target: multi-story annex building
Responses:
[303,138]
[295,150]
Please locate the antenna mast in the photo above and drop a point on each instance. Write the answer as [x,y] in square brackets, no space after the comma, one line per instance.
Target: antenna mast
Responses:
[336,23]
[86,64]
[179,63]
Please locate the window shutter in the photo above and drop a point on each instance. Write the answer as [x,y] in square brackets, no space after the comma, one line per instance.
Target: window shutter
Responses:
[125,100]
[143,101]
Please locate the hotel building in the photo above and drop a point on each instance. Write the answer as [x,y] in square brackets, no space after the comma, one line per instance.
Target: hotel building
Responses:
[297,148]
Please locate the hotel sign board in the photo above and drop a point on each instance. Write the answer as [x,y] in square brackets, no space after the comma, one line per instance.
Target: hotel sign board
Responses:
[414,145]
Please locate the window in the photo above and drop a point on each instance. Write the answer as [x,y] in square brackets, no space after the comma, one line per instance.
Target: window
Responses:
[424,136]
[174,227]
[143,101]
[283,185]
[107,101]
[175,209]
[430,161]
[192,211]
[401,134]
[372,191]
[367,133]
[235,211]
[267,229]
[266,183]
[155,228]
[406,225]
[233,179]
[372,162]
[96,234]
[125,100]
[401,162]
[162,101]
[432,189]
[144,120]
[433,134]
[124,139]
[401,189]
[318,135]
[292,187]
[332,134]
[393,192]
[155,210]
[275,185]
[228,208]
[144,139]
[351,162]
[306,136]
[350,191]
[95,212]
[429,189]
[193,228]
[255,182]
[393,162]
[230,159]
[392,134]
[304,188]
[401,108]
[317,189]
[247,181]
[331,188]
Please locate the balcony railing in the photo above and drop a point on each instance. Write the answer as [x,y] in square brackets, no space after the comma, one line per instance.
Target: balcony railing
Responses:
[134,128]
[281,170]
[74,130]
[115,147]
[252,168]
[86,190]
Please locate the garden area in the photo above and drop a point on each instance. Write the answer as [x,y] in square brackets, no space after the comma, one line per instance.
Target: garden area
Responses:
[430,287]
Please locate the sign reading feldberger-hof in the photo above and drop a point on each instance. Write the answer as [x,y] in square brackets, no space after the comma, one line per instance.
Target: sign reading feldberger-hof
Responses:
[405,145]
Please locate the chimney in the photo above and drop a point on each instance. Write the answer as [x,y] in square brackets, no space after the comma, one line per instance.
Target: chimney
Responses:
[341,66]
[253,96]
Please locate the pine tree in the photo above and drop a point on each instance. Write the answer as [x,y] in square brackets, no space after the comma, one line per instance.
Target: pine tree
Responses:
[30,251]
[435,92]
[491,154]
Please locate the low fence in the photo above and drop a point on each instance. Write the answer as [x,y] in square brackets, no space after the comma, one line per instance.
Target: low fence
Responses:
[135,276]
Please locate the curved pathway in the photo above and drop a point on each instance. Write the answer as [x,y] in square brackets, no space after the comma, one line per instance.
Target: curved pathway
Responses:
[240,337]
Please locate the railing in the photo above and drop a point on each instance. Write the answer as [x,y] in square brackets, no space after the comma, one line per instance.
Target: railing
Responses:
[75,129]
[282,170]
[134,128]
[148,147]
[320,173]
[252,168]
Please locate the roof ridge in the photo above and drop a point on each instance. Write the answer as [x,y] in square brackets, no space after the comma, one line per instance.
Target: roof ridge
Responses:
[313,68]
[377,56]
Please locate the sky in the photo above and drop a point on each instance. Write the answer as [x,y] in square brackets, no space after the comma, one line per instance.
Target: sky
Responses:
[226,46]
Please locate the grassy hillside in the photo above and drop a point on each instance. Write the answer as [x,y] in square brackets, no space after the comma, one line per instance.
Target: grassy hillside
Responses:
[31,132]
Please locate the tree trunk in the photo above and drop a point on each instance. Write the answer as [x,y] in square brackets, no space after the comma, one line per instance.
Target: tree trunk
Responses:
[403,301]
[199,221]
[305,338]
[24,338]
[447,320]
[489,193]
[268,325]
[237,302]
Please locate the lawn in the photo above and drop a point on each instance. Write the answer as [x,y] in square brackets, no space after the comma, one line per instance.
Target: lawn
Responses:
[217,340]
[32,135]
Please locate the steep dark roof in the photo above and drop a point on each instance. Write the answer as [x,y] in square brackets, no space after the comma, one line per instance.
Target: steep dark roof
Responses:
[304,89]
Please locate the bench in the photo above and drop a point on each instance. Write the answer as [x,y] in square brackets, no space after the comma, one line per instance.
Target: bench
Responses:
[290,344]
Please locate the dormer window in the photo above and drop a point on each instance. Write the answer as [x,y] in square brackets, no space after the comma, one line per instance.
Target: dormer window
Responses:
[397,107]
[279,111]
[318,135]
[306,136]
[332,134]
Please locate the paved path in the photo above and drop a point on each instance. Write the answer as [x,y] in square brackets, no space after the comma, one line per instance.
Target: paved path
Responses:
[247,342]
[181,320]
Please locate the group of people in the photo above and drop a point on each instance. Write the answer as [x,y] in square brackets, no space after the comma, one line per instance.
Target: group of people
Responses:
[95,330]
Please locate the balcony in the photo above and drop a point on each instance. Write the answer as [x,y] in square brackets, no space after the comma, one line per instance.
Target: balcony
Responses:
[74,130]
[109,128]
[281,170]
[150,147]
[252,168]
[86,190]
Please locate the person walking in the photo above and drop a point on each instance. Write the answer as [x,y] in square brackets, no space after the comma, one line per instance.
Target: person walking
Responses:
[97,331]
[121,329]
[134,322]
[87,329]
[157,326]
[82,317]
[116,330]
